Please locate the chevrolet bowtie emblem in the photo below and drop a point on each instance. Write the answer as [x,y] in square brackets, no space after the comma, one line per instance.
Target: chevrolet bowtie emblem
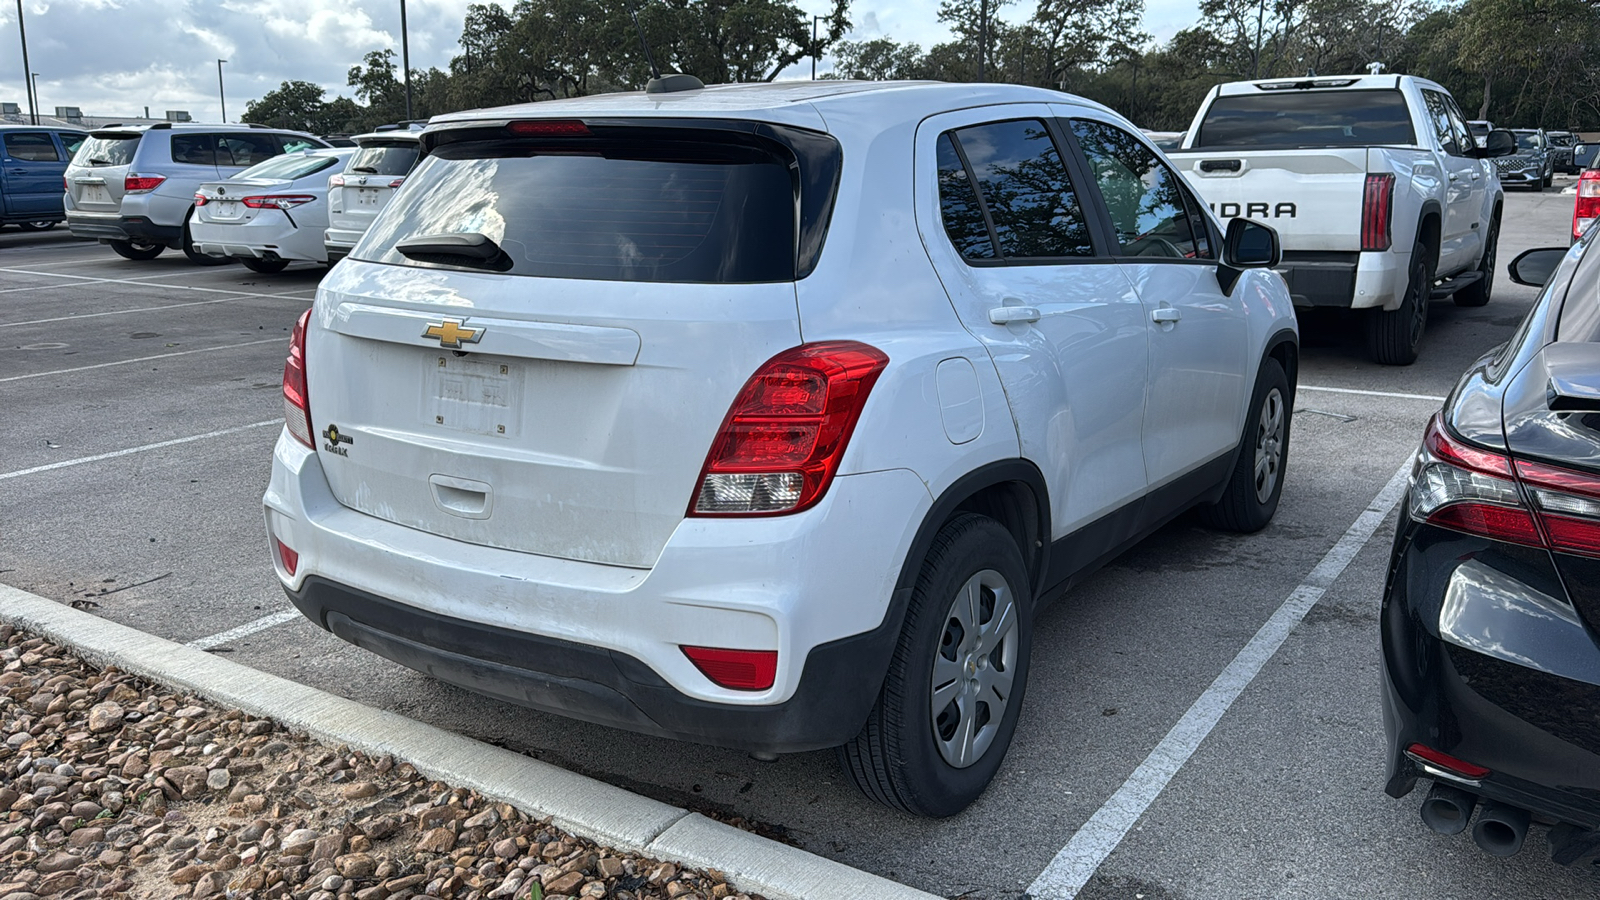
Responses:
[452,333]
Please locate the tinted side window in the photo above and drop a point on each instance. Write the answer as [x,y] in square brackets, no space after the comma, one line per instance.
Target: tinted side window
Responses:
[959,207]
[1439,117]
[1024,186]
[1149,210]
[293,143]
[1458,124]
[245,149]
[72,140]
[33,146]
[194,149]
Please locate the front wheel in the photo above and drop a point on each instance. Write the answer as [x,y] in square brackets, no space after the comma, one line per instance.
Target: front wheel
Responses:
[1251,497]
[266,266]
[950,699]
[1395,336]
[140,250]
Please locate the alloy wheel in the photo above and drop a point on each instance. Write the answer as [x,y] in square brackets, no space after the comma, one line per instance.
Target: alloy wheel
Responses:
[973,668]
[1269,445]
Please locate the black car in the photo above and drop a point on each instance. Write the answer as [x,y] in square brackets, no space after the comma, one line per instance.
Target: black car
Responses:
[1491,613]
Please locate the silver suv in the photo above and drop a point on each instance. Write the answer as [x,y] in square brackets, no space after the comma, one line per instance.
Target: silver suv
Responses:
[132,186]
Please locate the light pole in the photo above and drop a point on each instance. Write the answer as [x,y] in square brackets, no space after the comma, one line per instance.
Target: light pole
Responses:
[983,37]
[34,85]
[815,51]
[222,98]
[405,56]
[27,70]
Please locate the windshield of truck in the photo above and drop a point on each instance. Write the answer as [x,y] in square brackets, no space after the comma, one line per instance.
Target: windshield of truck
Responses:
[1528,140]
[1294,119]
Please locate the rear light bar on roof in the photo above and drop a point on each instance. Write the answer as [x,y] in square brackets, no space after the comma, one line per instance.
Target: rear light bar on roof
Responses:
[1377,212]
[783,438]
[1476,491]
[548,128]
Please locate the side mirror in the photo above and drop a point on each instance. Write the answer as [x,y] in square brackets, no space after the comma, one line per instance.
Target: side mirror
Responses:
[1534,267]
[1251,245]
[1499,143]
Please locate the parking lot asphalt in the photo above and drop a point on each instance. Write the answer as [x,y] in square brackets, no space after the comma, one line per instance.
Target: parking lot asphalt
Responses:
[100,357]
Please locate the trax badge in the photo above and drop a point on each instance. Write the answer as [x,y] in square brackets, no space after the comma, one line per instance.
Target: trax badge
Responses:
[453,333]
[335,439]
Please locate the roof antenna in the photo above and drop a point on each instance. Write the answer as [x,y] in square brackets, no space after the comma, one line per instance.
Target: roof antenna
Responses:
[670,83]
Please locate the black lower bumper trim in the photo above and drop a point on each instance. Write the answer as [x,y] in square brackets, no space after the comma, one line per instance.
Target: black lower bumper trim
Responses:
[127,228]
[1322,280]
[838,685]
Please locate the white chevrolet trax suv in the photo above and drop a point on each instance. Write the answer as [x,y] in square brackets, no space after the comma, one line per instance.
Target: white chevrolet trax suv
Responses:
[769,416]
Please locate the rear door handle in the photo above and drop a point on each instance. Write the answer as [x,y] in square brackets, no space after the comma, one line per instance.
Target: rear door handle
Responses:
[1454,177]
[1166,314]
[18,171]
[1005,315]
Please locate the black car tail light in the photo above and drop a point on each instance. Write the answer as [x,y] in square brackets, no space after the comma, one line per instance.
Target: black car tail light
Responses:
[1469,489]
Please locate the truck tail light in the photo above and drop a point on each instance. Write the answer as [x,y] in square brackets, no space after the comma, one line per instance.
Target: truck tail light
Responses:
[1377,212]
[296,399]
[141,184]
[1468,489]
[1587,207]
[783,438]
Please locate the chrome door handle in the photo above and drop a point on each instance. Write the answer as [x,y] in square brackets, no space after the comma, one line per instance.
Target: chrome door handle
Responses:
[1165,315]
[1005,315]
[1454,177]
[1475,175]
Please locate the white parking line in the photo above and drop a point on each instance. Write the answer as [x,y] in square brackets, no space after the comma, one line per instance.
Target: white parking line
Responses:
[140,449]
[1335,390]
[245,630]
[117,312]
[123,362]
[1077,862]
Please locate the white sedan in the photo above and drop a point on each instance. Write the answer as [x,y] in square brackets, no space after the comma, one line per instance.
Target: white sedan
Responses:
[270,214]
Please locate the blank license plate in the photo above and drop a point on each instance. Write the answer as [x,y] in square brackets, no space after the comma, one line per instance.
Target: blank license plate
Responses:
[95,193]
[478,396]
[367,196]
[226,209]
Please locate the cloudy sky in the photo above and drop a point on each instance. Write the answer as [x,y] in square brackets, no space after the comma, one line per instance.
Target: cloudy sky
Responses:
[116,57]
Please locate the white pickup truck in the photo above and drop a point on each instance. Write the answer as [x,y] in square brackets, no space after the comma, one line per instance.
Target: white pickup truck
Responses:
[1381,196]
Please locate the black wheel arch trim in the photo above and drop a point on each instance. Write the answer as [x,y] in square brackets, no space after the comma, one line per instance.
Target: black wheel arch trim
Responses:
[993,474]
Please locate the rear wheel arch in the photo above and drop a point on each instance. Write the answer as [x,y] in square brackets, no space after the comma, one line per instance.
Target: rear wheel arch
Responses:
[1429,229]
[1010,491]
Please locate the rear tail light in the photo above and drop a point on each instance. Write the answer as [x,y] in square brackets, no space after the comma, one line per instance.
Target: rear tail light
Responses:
[201,199]
[296,399]
[781,443]
[739,670]
[141,184]
[397,182]
[1377,207]
[1587,207]
[1480,492]
[277,201]
[286,556]
[336,181]
[1425,754]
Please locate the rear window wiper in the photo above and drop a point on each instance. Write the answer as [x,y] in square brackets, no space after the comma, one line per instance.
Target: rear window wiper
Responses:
[465,249]
[95,161]
[367,169]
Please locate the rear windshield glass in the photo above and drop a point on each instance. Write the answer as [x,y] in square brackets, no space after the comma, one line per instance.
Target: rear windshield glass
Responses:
[107,150]
[385,159]
[1294,118]
[656,210]
[290,167]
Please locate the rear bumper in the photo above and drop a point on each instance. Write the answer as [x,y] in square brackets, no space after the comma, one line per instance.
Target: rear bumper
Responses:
[114,227]
[1345,280]
[258,239]
[602,643]
[1492,668]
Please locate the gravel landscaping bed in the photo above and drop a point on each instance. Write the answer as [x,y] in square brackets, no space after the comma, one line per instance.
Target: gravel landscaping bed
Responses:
[114,787]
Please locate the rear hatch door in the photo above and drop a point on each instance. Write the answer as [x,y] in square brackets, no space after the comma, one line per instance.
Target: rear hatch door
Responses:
[375,172]
[96,177]
[559,399]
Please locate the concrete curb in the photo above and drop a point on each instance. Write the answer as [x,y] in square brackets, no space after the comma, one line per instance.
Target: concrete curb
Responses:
[583,806]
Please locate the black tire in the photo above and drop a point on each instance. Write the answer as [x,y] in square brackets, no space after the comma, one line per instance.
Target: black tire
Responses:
[36,226]
[265,266]
[901,757]
[1395,336]
[1251,498]
[1549,179]
[140,251]
[195,256]
[1477,293]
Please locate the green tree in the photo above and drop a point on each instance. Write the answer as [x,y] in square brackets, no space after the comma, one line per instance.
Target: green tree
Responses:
[294,104]
[880,59]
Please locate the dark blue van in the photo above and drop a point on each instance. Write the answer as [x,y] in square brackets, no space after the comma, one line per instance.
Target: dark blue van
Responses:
[33,162]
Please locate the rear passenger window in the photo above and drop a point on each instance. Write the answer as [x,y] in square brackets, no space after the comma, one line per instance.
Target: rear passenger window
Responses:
[72,141]
[31,146]
[194,149]
[1022,185]
[245,149]
[1150,210]
[958,205]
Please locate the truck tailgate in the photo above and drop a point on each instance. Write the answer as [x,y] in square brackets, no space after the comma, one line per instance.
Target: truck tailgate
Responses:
[1312,197]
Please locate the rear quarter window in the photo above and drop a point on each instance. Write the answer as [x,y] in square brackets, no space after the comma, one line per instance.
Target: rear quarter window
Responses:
[1307,119]
[662,206]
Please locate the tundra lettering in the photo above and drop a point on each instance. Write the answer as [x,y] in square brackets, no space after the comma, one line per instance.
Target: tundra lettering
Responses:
[1253,210]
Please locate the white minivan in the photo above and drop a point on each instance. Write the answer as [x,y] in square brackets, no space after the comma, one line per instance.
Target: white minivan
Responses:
[768,416]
